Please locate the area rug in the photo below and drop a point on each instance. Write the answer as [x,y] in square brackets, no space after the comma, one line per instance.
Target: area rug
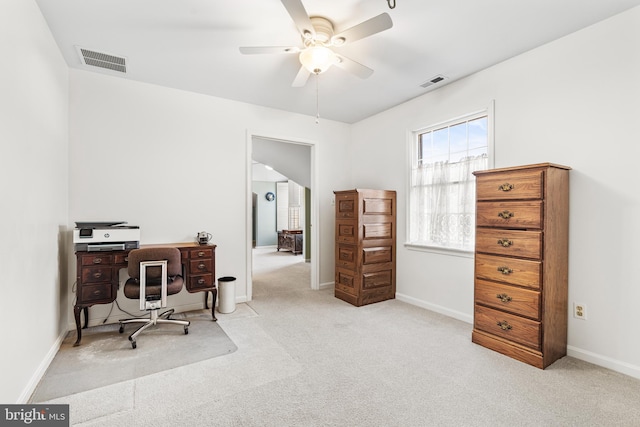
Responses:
[159,348]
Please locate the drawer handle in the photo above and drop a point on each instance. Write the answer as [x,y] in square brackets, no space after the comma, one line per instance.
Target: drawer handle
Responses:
[505,270]
[202,266]
[97,275]
[126,259]
[505,242]
[200,254]
[504,298]
[96,292]
[505,214]
[200,281]
[504,325]
[506,187]
[97,260]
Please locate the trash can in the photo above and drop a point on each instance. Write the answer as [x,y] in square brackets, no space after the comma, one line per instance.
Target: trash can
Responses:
[226,294]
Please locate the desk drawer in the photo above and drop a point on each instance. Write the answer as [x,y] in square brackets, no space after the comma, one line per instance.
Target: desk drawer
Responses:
[505,325]
[200,282]
[121,259]
[96,293]
[200,266]
[98,259]
[201,253]
[96,274]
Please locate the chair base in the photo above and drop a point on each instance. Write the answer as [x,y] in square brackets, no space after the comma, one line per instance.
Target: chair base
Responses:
[152,320]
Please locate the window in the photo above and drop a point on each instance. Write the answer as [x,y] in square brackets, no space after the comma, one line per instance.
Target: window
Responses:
[442,186]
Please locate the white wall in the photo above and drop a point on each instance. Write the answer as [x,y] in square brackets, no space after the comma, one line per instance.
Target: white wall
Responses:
[174,163]
[575,101]
[33,176]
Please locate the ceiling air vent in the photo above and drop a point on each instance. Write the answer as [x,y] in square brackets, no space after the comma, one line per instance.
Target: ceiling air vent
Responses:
[102,60]
[434,80]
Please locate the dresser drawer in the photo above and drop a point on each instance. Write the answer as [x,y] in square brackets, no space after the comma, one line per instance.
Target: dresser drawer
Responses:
[377,255]
[508,326]
[515,271]
[345,281]
[346,256]
[95,293]
[378,230]
[525,244]
[509,214]
[346,231]
[198,266]
[510,185]
[98,259]
[96,274]
[346,205]
[519,301]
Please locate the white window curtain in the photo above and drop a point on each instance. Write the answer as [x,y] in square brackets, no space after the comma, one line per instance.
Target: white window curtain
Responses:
[443,203]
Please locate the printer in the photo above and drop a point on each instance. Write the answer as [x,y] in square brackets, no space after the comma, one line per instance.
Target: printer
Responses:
[105,236]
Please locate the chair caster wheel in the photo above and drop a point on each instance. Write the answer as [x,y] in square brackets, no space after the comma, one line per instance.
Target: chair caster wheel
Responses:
[186,330]
[133,344]
[121,330]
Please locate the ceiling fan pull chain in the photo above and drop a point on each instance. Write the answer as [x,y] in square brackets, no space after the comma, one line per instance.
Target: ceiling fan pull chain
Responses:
[391,3]
[317,99]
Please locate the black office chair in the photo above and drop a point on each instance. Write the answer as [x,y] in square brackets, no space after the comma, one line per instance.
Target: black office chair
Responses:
[154,273]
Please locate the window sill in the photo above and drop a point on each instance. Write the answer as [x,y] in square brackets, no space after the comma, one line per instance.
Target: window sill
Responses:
[439,250]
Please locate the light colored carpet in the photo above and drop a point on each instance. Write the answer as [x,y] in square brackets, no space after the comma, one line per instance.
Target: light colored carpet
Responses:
[305,358]
[105,356]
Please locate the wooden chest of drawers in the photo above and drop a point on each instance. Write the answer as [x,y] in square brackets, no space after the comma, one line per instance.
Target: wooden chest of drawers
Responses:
[521,262]
[365,248]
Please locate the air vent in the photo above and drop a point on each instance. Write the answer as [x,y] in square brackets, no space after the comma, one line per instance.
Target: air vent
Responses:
[434,80]
[102,60]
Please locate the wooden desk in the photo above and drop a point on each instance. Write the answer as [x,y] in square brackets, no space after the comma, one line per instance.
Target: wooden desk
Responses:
[97,276]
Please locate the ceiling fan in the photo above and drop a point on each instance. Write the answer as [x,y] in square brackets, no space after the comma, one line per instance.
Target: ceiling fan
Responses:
[318,38]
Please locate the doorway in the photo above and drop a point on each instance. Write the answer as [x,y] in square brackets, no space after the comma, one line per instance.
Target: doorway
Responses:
[295,159]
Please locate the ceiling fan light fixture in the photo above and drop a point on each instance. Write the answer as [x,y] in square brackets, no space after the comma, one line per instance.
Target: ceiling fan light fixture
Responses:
[338,41]
[317,59]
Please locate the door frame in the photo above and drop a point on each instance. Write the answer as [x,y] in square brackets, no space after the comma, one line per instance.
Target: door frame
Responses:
[313,227]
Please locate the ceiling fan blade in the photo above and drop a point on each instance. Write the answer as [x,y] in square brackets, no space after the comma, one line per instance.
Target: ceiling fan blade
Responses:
[353,67]
[301,78]
[300,17]
[256,50]
[364,29]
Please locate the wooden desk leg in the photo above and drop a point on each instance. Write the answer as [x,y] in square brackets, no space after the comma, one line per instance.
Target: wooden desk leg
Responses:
[214,293]
[76,314]
[206,300]
[86,317]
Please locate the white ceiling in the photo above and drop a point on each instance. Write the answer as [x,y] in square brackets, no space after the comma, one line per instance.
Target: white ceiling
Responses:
[193,44]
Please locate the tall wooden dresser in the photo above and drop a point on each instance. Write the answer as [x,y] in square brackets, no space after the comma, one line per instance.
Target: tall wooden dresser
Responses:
[522,227]
[365,251]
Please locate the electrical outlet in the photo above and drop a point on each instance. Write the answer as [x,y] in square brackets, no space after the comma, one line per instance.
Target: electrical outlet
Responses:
[579,311]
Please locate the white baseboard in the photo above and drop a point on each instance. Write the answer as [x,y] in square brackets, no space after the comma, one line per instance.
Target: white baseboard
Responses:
[327,285]
[587,356]
[42,368]
[604,361]
[434,307]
